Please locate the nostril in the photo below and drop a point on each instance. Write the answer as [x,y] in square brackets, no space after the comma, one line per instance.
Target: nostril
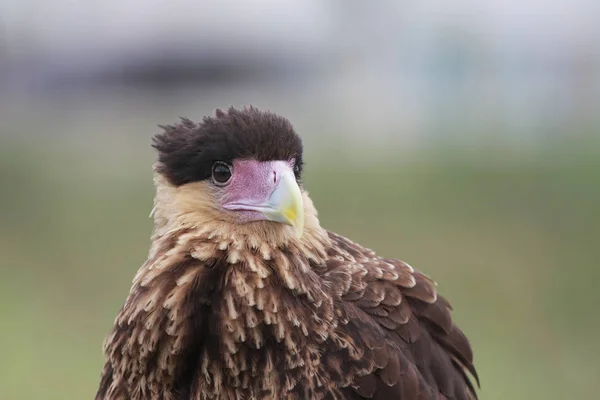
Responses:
[274,176]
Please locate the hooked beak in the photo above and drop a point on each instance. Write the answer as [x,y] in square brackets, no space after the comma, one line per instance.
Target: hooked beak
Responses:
[285,204]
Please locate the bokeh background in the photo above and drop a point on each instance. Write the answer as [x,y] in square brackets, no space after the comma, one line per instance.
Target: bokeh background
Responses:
[461,136]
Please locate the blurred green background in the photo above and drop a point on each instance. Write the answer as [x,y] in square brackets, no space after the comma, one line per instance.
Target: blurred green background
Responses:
[462,137]
[512,244]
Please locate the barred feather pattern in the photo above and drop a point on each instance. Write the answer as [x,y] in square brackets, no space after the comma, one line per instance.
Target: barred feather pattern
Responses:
[211,317]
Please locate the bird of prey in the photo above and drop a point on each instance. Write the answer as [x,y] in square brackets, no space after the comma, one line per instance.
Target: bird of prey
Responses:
[245,296]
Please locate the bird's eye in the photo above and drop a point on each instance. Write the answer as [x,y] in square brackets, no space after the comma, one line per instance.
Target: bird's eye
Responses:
[221,172]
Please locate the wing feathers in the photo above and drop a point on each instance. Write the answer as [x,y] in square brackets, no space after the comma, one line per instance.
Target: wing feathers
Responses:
[425,356]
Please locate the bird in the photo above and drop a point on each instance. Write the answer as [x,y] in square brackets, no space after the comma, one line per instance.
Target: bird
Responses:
[245,296]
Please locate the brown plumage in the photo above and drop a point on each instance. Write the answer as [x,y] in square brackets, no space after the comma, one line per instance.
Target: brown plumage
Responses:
[244,308]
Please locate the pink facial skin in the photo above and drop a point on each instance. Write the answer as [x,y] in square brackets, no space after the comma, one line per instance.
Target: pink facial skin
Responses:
[252,183]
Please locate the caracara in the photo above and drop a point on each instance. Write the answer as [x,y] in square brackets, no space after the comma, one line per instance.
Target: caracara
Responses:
[245,296]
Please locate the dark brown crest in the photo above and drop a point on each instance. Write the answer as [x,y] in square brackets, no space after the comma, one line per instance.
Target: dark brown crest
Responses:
[186,151]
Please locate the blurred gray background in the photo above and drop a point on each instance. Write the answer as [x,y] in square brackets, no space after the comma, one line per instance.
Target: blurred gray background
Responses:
[462,137]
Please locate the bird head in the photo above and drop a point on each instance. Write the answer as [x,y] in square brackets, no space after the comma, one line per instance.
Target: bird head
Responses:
[239,168]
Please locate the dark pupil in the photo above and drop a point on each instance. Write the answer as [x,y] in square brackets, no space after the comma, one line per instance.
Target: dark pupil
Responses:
[221,173]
